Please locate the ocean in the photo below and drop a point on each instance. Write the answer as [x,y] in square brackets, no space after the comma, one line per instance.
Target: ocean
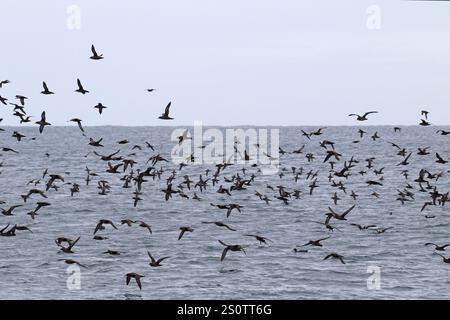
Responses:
[394,264]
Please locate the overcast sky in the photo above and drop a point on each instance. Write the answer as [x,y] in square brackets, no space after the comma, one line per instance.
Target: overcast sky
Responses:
[232,62]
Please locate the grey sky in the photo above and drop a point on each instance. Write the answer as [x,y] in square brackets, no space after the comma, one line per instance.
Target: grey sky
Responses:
[231,62]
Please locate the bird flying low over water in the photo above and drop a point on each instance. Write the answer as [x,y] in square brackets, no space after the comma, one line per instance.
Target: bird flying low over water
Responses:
[136,276]
[154,262]
[78,121]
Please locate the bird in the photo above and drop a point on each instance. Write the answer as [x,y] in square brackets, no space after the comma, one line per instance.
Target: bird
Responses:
[3,82]
[136,276]
[42,123]
[101,223]
[155,263]
[71,261]
[100,107]
[78,121]
[165,115]
[69,248]
[440,159]
[234,247]
[80,88]
[95,56]
[363,117]
[183,230]
[8,212]
[437,247]
[361,227]
[333,214]
[142,224]
[261,239]
[446,260]
[21,99]
[315,242]
[3,100]
[219,224]
[112,252]
[334,255]
[46,91]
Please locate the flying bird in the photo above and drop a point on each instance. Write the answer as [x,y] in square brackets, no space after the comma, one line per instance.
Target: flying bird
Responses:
[95,56]
[363,117]
[165,115]
[80,88]
[42,123]
[46,91]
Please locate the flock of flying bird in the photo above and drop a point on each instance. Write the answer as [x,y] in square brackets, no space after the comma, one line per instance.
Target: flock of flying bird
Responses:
[239,182]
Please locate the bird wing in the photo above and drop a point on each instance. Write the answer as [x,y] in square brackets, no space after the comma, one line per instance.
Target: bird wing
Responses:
[409,155]
[151,257]
[97,227]
[93,51]
[138,281]
[74,243]
[367,113]
[224,253]
[223,243]
[80,126]
[45,86]
[348,210]
[229,228]
[161,260]
[166,111]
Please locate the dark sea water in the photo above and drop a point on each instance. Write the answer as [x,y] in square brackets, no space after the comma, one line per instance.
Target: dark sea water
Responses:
[30,262]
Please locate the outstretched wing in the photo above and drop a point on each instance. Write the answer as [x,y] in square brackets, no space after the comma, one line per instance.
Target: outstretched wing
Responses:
[223,243]
[161,260]
[138,281]
[166,111]
[151,257]
[74,243]
[224,253]
[348,210]
[93,51]
[367,113]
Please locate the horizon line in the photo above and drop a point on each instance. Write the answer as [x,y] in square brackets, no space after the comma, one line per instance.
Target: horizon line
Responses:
[231,126]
